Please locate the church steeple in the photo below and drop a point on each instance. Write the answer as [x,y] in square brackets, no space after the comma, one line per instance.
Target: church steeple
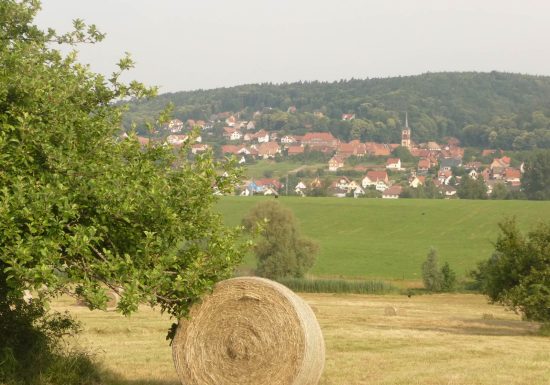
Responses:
[406,133]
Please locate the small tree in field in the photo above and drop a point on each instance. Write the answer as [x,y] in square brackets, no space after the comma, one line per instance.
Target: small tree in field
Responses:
[432,277]
[281,250]
[518,273]
[449,278]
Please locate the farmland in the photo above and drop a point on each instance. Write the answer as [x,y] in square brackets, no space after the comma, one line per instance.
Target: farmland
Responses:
[434,339]
[389,239]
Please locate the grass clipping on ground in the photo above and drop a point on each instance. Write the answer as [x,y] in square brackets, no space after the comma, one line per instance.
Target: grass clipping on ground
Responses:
[249,331]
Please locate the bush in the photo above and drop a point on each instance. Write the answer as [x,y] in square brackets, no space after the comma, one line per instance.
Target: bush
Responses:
[32,349]
[518,273]
[437,280]
[281,250]
[431,276]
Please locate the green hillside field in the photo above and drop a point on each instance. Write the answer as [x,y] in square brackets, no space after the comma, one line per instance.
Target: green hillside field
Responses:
[389,239]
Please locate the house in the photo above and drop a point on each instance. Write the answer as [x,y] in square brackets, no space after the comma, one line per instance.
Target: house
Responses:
[449,163]
[268,150]
[499,166]
[288,139]
[176,140]
[393,164]
[230,149]
[358,191]
[300,189]
[175,126]
[262,136]
[353,148]
[473,174]
[143,141]
[335,163]
[447,191]
[415,181]
[295,150]
[291,110]
[392,193]
[232,133]
[318,114]
[472,166]
[433,146]
[512,176]
[269,183]
[378,179]
[231,121]
[251,125]
[423,166]
[378,149]
[348,117]
[319,140]
[444,176]
[199,148]
[343,183]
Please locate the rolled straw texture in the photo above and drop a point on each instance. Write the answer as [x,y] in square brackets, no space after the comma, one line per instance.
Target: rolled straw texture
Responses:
[249,331]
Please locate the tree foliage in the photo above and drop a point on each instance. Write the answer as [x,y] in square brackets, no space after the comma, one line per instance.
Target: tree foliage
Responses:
[281,250]
[434,278]
[518,273]
[482,110]
[82,210]
[431,276]
[536,179]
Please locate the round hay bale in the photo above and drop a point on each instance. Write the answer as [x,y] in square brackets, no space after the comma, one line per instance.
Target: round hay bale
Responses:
[249,331]
[113,299]
[390,311]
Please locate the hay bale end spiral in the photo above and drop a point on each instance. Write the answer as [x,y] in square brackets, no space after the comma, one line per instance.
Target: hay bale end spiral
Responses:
[249,331]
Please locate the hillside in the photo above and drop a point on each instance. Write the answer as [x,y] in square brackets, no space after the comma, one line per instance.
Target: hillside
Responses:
[389,239]
[499,110]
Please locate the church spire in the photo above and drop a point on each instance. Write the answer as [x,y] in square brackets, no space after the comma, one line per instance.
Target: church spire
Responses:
[406,119]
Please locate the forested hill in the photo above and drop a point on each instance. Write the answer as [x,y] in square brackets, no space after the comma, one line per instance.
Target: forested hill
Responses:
[499,110]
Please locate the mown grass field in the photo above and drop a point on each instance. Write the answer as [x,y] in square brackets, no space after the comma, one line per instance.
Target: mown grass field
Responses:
[389,239]
[277,169]
[434,339]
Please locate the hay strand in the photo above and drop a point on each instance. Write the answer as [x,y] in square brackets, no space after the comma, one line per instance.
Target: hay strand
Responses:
[249,331]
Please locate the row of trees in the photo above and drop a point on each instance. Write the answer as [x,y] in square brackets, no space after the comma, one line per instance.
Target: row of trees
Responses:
[482,110]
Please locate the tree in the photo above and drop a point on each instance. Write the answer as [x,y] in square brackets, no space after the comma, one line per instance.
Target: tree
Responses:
[431,276]
[518,273]
[470,188]
[536,179]
[449,278]
[82,211]
[281,250]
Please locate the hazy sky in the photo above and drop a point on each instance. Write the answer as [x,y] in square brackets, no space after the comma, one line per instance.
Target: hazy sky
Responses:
[190,44]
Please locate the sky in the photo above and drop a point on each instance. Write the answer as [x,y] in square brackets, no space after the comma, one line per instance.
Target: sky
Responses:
[183,45]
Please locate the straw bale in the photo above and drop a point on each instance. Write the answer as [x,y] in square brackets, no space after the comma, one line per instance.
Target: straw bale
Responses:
[488,316]
[390,311]
[249,331]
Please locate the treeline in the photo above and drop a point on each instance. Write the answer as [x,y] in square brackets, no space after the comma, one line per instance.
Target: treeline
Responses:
[498,110]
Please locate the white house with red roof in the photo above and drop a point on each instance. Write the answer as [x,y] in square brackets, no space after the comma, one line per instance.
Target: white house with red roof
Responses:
[392,192]
[379,179]
[335,163]
[393,164]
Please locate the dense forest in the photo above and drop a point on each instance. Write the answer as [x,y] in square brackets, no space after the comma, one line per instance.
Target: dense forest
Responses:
[497,110]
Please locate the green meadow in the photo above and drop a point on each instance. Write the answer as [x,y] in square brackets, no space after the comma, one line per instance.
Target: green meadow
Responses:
[389,239]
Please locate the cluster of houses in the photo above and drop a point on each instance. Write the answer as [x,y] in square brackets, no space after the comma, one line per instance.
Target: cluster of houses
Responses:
[436,162]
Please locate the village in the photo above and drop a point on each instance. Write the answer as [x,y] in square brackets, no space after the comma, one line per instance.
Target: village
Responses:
[354,169]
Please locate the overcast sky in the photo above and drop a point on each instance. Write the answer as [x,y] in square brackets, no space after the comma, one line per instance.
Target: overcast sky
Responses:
[190,44]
